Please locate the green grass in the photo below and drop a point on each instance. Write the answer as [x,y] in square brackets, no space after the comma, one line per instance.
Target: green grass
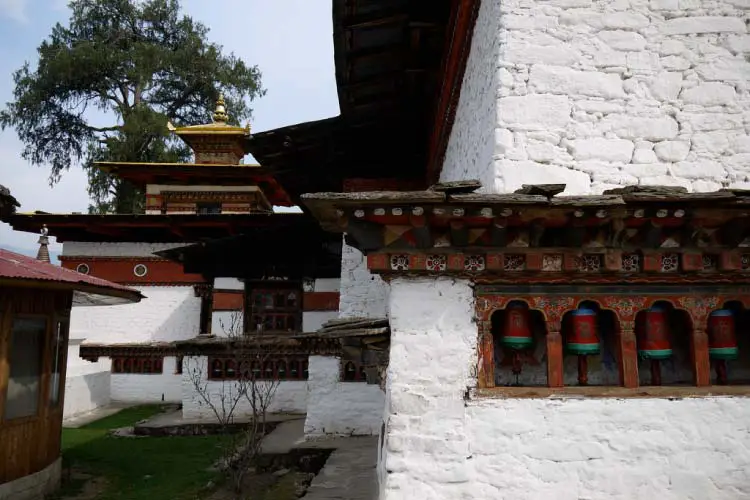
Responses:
[140,468]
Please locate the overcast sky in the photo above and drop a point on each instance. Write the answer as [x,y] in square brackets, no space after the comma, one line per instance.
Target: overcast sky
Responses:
[290,40]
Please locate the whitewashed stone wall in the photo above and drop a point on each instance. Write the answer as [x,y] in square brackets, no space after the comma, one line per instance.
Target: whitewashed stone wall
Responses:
[290,396]
[600,93]
[471,145]
[118,249]
[87,385]
[146,388]
[441,445]
[340,408]
[362,294]
[167,313]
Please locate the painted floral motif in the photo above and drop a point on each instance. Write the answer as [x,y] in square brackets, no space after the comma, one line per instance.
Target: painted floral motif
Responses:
[745,261]
[552,262]
[710,262]
[554,307]
[436,263]
[400,262]
[698,307]
[631,262]
[670,262]
[625,307]
[589,263]
[474,263]
[515,262]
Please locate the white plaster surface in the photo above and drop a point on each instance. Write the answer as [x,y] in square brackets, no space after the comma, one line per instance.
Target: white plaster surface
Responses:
[167,313]
[362,294]
[327,285]
[221,322]
[118,249]
[340,408]
[599,94]
[228,284]
[440,446]
[313,320]
[146,388]
[290,396]
[87,384]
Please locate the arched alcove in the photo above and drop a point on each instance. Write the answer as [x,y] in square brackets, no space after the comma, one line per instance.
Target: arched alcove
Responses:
[676,369]
[737,370]
[601,368]
[514,365]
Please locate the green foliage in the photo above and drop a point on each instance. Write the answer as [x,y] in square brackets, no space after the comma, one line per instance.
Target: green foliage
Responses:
[140,468]
[139,63]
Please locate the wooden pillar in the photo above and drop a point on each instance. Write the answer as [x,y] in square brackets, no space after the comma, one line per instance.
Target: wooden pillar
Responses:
[628,355]
[206,293]
[486,375]
[699,355]
[554,354]
[699,308]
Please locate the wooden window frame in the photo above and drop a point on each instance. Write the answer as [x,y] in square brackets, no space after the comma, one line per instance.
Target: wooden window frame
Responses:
[137,363]
[253,288]
[44,376]
[260,372]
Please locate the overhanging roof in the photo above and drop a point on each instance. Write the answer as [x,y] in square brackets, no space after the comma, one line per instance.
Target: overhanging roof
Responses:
[388,56]
[195,174]
[151,228]
[303,252]
[18,270]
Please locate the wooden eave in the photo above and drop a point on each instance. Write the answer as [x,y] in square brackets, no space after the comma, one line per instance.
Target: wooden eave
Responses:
[195,174]
[651,221]
[304,251]
[389,60]
[164,228]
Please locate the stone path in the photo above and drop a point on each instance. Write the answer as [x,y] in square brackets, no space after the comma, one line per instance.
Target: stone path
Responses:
[348,474]
[82,419]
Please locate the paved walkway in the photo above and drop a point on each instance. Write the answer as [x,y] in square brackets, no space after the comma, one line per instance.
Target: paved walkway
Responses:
[82,419]
[348,474]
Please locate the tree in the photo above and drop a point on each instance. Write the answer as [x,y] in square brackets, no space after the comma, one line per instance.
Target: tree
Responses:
[140,63]
[246,354]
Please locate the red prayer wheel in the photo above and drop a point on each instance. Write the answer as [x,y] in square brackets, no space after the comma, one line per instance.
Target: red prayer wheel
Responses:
[583,338]
[652,332]
[722,341]
[517,330]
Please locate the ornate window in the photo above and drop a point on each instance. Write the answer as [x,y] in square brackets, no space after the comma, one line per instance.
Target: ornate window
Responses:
[275,309]
[272,369]
[138,364]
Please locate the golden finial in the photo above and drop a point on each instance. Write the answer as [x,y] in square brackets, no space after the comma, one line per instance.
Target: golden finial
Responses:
[247,128]
[220,115]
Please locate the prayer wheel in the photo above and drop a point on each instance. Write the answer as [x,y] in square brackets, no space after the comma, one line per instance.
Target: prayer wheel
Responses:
[653,334]
[722,341]
[582,338]
[517,330]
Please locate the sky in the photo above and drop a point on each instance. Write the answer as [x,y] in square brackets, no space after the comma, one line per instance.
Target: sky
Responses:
[290,41]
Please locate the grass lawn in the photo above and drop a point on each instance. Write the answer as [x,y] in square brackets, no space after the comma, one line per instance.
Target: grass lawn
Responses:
[146,468]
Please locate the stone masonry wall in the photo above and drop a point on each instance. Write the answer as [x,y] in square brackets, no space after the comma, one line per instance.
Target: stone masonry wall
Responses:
[471,145]
[602,93]
[442,445]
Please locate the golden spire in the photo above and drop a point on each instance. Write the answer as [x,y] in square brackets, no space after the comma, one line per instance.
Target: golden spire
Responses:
[220,114]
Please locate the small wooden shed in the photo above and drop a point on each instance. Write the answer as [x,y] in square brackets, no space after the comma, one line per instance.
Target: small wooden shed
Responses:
[35,302]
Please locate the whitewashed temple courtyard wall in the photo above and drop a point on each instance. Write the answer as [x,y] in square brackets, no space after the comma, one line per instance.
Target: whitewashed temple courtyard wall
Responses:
[441,445]
[598,94]
[336,407]
[168,313]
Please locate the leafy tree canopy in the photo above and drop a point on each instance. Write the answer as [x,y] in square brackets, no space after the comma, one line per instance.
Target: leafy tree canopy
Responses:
[139,63]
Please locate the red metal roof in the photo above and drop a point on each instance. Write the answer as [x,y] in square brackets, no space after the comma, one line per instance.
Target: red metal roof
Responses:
[22,267]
